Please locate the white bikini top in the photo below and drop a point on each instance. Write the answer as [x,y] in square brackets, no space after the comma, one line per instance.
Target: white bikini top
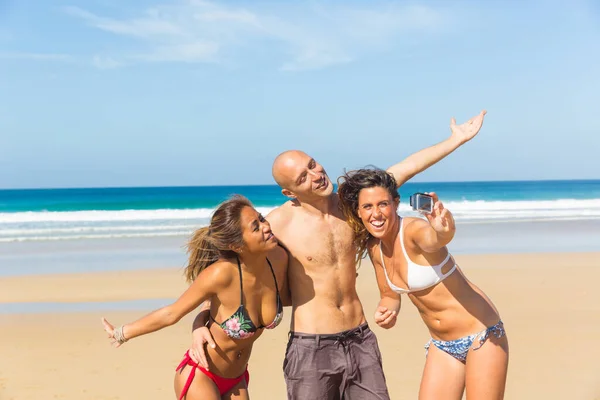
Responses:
[420,277]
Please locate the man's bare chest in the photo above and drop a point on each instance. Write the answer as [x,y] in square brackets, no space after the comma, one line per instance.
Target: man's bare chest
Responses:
[325,243]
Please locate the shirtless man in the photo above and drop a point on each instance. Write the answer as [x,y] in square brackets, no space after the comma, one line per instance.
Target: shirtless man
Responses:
[327,314]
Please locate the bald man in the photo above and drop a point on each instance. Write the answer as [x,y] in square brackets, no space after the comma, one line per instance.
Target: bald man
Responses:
[331,352]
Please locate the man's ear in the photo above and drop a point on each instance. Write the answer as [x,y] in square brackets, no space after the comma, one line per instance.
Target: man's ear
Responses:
[288,193]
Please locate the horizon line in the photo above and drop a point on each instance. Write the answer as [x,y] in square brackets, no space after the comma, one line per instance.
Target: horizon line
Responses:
[274,184]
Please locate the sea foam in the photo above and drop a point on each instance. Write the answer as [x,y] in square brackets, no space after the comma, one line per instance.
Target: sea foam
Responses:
[55,225]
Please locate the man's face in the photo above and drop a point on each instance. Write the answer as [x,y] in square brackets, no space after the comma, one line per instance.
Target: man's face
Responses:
[305,177]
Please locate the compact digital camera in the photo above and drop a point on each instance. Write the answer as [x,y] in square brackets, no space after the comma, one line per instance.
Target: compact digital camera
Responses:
[421,202]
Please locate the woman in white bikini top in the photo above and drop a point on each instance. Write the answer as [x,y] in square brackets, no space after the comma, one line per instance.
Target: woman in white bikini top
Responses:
[418,277]
[410,257]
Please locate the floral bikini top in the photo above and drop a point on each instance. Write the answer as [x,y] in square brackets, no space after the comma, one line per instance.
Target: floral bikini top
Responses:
[239,325]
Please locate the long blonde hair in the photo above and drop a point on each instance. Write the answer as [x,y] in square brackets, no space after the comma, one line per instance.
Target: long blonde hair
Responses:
[211,243]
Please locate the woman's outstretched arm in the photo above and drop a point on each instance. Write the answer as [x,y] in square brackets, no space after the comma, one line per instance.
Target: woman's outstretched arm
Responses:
[207,284]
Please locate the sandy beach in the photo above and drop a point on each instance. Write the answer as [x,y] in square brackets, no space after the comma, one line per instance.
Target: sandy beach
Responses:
[548,302]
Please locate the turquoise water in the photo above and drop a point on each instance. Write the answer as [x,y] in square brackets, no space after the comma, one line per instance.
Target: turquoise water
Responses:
[59,214]
[153,198]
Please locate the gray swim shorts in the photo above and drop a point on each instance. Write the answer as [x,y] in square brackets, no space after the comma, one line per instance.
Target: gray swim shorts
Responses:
[345,365]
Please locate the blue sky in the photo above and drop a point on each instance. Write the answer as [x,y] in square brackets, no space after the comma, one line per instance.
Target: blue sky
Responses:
[136,93]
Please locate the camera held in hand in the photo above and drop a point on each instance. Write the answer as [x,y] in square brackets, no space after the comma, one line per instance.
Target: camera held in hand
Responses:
[422,203]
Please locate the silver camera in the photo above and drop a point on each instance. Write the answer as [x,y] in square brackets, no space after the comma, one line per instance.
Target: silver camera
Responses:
[421,202]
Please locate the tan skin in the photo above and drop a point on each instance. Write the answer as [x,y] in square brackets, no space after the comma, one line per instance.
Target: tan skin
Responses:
[452,309]
[220,284]
[311,226]
[321,270]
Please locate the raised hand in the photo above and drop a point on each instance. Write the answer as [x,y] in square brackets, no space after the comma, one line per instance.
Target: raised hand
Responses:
[110,329]
[441,219]
[201,337]
[468,130]
[385,318]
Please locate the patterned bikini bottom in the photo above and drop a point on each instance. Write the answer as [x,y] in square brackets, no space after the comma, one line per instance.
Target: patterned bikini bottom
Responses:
[460,347]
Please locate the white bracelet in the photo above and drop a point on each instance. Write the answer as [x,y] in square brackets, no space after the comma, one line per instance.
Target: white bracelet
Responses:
[119,336]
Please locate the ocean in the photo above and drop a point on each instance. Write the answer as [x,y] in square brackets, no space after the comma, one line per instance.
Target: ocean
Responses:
[37,215]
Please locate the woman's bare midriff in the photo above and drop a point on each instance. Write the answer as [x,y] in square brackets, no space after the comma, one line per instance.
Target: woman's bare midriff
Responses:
[455,308]
[230,357]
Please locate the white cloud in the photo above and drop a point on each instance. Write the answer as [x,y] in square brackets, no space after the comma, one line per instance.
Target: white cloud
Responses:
[183,52]
[100,62]
[300,35]
[243,17]
[148,25]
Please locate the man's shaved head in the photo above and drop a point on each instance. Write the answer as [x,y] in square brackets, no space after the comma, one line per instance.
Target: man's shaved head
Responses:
[285,165]
[300,176]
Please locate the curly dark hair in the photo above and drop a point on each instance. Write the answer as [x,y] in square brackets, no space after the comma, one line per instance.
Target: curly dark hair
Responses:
[349,186]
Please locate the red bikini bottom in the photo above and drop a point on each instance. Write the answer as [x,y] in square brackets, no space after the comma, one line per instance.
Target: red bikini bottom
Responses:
[223,384]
